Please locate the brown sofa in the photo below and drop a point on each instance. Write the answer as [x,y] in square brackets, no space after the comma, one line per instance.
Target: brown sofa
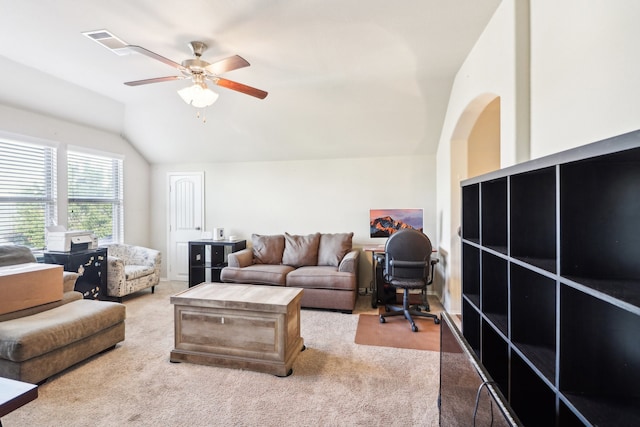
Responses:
[40,341]
[324,265]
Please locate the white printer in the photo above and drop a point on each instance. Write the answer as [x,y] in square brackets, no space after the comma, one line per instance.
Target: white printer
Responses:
[61,240]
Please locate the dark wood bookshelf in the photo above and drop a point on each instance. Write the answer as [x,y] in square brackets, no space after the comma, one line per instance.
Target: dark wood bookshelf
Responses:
[551,283]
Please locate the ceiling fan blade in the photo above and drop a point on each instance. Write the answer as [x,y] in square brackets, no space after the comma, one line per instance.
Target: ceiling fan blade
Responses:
[228,64]
[157,57]
[156,80]
[240,87]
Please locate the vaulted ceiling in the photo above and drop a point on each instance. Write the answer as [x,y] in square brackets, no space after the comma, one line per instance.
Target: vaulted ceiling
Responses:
[345,78]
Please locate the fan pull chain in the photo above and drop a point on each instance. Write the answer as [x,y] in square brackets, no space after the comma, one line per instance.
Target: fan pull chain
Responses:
[204,117]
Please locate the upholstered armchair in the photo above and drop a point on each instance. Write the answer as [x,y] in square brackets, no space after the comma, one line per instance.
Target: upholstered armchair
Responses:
[131,269]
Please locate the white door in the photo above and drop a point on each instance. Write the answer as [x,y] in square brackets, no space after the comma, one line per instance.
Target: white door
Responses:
[186,220]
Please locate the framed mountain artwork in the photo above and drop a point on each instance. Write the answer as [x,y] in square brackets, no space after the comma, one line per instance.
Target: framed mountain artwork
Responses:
[385,222]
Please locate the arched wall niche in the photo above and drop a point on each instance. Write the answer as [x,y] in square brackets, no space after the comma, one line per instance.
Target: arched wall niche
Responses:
[475,150]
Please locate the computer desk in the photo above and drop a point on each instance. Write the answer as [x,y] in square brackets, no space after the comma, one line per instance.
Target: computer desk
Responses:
[374,249]
[377,294]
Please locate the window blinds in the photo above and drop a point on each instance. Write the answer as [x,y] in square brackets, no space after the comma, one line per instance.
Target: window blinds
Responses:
[95,195]
[27,193]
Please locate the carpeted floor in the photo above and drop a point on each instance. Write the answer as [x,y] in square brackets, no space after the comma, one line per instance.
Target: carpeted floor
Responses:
[335,382]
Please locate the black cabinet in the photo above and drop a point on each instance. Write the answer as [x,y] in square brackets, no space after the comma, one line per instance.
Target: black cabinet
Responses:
[208,257]
[551,283]
[90,264]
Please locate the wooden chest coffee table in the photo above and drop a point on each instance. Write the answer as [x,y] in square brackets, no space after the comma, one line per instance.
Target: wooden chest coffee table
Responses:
[238,326]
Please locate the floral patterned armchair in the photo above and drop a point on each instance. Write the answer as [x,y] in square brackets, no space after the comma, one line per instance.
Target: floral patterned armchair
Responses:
[131,269]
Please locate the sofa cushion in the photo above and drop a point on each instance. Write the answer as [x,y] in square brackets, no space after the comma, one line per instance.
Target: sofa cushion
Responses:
[321,277]
[333,247]
[258,274]
[301,250]
[29,337]
[67,297]
[267,249]
[135,271]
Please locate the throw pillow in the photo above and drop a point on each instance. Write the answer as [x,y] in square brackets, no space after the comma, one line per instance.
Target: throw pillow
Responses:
[267,249]
[301,250]
[333,247]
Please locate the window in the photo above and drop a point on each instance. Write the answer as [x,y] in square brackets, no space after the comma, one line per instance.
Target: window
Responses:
[27,192]
[95,195]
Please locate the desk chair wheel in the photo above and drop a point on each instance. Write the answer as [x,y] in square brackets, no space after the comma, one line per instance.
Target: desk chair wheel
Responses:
[382,319]
[414,328]
[436,321]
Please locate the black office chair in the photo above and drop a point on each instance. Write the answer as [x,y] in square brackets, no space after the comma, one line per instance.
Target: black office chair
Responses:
[408,265]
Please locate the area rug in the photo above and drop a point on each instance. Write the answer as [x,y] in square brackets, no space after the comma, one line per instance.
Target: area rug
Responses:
[396,331]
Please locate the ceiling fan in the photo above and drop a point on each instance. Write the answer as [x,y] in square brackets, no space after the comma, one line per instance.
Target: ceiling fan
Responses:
[200,71]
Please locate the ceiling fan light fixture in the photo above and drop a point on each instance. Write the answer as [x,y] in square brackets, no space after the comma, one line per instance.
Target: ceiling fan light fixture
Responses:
[198,95]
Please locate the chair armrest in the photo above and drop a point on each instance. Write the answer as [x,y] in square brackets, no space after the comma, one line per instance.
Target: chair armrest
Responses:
[158,262]
[242,258]
[154,260]
[115,269]
[349,263]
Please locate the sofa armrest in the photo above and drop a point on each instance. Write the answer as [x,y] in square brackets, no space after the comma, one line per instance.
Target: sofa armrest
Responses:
[69,280]
[349,263]
[242,258]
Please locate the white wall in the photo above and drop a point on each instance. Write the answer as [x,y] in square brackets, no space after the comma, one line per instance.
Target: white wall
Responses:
[585,72]
[32,90]
[584,69]
[63,134]
[302,197]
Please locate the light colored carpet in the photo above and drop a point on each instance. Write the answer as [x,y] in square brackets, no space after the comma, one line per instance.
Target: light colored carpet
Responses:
[335,382]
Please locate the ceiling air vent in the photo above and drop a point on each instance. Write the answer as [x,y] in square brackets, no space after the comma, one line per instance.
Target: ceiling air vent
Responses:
[108,40]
